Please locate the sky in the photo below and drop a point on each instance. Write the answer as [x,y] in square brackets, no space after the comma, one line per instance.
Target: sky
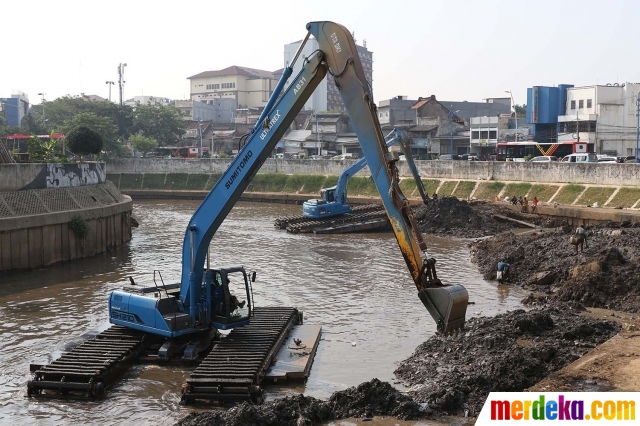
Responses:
[457,49]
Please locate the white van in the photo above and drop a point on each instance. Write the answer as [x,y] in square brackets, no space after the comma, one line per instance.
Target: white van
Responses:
[585,157]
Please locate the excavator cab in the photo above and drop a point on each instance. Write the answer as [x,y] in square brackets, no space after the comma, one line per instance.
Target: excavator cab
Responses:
[231,297]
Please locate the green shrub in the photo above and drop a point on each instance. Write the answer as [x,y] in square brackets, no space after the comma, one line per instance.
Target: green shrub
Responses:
[83,141]
[79,226]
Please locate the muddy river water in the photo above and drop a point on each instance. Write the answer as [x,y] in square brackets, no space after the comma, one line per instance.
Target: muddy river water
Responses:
[356,286]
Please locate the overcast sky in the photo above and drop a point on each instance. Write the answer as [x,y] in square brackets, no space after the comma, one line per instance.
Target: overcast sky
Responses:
[456,50]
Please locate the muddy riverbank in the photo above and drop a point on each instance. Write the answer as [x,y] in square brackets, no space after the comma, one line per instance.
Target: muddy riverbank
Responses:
[451,217]
[605,275]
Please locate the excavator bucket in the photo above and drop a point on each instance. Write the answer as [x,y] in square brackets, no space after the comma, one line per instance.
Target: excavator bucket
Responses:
[447,305]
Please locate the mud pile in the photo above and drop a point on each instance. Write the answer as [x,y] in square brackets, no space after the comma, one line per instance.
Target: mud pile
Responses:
[373,398]
[606,275]
[458,218]
[511,352]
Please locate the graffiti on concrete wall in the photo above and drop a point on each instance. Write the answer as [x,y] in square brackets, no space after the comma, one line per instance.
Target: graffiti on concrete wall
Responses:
[68,175]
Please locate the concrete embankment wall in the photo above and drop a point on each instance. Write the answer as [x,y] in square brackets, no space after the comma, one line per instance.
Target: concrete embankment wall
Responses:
[44,221]
[627,174]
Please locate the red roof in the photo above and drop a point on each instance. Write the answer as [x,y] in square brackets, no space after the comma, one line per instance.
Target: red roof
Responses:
[22,136]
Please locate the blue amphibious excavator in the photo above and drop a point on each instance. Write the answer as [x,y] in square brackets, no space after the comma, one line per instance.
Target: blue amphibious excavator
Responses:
[187,313]
[334,199]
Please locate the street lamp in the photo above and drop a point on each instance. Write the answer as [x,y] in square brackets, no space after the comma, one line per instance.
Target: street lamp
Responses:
[110,83]
[515,112]
[43,120]
[451,114]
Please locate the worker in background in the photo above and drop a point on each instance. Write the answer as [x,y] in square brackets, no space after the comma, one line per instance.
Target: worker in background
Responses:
[579,239]
[514,200]
[503,272]
[435,197]
[525,203]
[534,209]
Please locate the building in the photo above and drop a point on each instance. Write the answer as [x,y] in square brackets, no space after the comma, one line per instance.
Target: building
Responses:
[448,122]
[326,97]
[248,87]
[604,115]
[396,111]
[217,111]
[15,108]
[486,132]
[146,100]
[544,105]
[326,133]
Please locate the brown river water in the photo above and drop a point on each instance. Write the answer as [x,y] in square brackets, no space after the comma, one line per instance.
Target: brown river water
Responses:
[356,286]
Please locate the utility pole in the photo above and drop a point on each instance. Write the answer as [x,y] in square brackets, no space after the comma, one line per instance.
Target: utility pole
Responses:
[110,83]
[43,119]
[200,135]
[638,125]
[121,81]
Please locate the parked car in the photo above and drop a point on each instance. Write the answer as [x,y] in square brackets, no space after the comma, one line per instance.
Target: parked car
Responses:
[544,159]
[607,159]
[347,156]
[448,157]
[627,159]
[586,157]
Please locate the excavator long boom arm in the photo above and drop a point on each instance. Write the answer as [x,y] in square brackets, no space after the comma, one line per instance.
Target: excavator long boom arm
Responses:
[447,304]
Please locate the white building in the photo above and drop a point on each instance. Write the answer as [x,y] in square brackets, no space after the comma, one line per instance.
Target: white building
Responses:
[147,100]
[602,115]
[326,97]
[249,87]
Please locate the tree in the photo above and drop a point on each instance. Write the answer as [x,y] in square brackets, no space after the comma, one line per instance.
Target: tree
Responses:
[32,124]
[83,141]
[521,110]
[162,123]
[143,144]
[103,125]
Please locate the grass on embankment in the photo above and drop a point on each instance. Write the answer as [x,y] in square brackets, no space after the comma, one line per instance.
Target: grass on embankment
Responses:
[488,190]
[626,197]
[568,194]
[130,181]
[409,188]
[197,181]
[464,189]
[542,192]
[595,194]
[154,181]
[362,186]
[176,181]
[517,189]
[447,188]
